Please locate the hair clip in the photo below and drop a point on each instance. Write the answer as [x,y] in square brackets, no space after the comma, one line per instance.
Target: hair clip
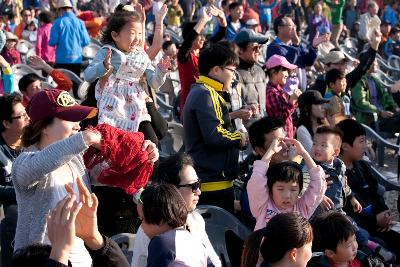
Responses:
[128,8]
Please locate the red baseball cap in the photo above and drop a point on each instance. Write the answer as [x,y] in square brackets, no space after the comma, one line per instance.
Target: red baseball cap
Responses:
[57,103]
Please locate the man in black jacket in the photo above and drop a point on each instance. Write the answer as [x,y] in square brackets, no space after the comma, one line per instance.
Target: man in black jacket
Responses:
[336,60]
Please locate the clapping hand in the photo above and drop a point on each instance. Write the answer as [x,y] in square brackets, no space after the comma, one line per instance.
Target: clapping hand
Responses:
[164,64]
[160,15]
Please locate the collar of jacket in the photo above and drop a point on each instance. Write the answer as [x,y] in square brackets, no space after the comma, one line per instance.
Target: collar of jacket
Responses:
[216,85]
[334,93]
[244,65]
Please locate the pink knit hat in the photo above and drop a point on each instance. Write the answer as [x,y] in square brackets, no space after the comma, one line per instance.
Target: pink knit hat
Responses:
[276,61]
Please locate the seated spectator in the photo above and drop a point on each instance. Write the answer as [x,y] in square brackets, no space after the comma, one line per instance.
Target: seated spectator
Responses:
[27,17]
[275,188]
[334,60]
[209,134]
[43,50]
[93,22]
[178,170]
[30,84]
[13,119]
[386,28]
[10,52]
[234,24]
[372,96]
[339,103]
[280,104]
[293,9]
[390,13]
[287,44]
[351,14]
[317,22]
[30,33]
[312,115]
[188,54]
[7,7]
[251,76]
[68,219]
[285,241]
[392,46]
[164,214]
[375,215]
[11,22]
[169,48]
[334,236]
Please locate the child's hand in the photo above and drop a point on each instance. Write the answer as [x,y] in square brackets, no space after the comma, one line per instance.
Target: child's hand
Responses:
[161,14]
[295,95]
[207,16]
[164,64]
[356,205]
[139,8]
[326,203]
[107,60]
[297,145]
[274,148]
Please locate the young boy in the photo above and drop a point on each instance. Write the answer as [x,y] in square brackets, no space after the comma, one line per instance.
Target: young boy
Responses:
[334,236]
[325,150]
[339,105]
[375,215]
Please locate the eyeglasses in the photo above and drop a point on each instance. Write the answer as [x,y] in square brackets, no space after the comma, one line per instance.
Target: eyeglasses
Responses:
[25,116]
[194,186]
[231,70]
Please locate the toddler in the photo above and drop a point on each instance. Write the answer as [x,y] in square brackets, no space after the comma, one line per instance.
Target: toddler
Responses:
[122,100]
[276,189]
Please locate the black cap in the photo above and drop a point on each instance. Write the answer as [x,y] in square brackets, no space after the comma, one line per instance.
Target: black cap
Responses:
[249,36]
[310,97]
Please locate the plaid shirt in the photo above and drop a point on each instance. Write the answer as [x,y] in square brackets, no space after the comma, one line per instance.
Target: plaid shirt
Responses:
[278,106]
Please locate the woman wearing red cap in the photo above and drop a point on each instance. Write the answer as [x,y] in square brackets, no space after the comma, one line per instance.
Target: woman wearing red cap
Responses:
[52,158]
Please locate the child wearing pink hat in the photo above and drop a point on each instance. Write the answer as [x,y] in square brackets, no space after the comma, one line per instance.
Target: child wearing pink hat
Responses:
[279,104]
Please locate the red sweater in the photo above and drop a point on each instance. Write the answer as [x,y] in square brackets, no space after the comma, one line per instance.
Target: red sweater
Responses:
[188,74]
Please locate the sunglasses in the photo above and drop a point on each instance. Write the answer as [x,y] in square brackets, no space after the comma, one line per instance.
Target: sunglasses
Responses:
[194,186]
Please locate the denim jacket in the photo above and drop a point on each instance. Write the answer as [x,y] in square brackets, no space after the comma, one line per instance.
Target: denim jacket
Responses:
[339,190]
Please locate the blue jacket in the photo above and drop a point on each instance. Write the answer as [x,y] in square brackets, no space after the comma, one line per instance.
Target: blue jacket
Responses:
[230,30]
[295,54]
[339,190]
[69,36]
[390,15]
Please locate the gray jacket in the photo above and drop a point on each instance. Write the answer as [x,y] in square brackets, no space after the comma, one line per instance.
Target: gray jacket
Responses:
[254,84]
[32,176]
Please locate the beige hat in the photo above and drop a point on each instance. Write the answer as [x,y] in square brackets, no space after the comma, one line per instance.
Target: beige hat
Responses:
[334,57]
[64,3]
[11,36]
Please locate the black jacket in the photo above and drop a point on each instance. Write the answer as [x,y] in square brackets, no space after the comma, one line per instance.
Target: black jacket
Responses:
[109,256]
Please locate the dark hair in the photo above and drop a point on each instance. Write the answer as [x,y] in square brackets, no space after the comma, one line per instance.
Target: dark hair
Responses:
[11,16]
[33,131]
[351,130]
[305,118]
[27,80]
[283,232]
[162,203]
[394,30]
[167,44]
[117,21]
[259,128]
[187,27]
[330,229]
[216,55]
[45,17]
[90,101]
[279,21]
[30,24]
[324,129]
[7,104]
[287,171]
[276,69]
[34,256]
[168,171]
[234,5]
[333,75]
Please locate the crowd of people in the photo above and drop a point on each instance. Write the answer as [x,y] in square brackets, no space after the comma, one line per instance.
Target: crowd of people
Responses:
[74,172]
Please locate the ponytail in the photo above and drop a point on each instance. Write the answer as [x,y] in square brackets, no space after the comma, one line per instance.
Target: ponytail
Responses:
[250,253]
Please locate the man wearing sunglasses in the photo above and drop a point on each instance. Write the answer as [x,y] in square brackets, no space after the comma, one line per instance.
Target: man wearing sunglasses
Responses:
[13,119]
[251,76]
[178,170]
